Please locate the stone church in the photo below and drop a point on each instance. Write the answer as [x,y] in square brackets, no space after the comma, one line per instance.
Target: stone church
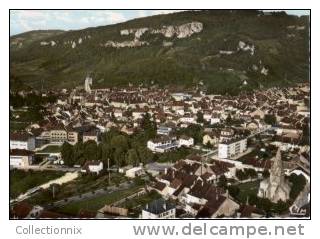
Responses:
[276,187]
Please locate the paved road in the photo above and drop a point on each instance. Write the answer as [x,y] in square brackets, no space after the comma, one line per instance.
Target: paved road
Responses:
[69,176]
[50,167]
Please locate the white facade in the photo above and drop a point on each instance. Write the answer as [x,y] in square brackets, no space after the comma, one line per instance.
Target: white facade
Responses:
[138,114]
[181,96]
[214,120]
[20,161]
[161,146]
[230,149]
[158,209]
[162,130]
[168,214]
[190,120]
[27,145]
[95,168]
[90,137]
[186,142]
[134,172]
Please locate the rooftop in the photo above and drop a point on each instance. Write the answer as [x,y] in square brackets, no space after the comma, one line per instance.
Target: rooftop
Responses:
[159,206]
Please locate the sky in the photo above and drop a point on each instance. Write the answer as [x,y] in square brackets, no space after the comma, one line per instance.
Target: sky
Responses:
[27,20]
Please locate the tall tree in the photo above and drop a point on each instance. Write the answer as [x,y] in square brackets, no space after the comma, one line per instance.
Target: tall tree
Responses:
[132,157]
[149,126]
[67,154]
[200,118]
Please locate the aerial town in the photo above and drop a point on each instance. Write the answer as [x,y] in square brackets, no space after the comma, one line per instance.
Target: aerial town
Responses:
[149,152]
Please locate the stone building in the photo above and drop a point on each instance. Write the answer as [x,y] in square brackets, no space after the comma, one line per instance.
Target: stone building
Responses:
[276,187]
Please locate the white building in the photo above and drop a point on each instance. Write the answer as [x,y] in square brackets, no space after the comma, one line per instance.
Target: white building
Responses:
[214,120]
[21,157]
[92,167]
[91,135]
[134,172]
[138,114]
[232,148]
[186,141]
[22,141]
[188,119]
[181,96]
[159,209]
[163,130]
[162,144]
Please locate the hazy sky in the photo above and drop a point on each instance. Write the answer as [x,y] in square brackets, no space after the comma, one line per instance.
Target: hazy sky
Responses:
[27,20]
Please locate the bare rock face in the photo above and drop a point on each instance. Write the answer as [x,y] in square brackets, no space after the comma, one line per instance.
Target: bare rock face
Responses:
[264,71]
[134,43]
[50,43]
[139,32]
[222,52]
[242,46]
[124,32]
[44,43]
[189,29]
[182,31]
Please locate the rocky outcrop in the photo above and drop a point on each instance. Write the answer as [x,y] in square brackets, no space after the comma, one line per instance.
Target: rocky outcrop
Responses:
[72,43]
[242,46]
[264,71]
[223,52]
[49,43]
[134,43]
[182,31]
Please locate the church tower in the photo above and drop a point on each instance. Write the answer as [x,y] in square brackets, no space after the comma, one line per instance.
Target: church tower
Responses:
[275,188]
[276,171]
[87,84]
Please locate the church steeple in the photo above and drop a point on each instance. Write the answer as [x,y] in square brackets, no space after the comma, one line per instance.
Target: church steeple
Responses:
[276,174]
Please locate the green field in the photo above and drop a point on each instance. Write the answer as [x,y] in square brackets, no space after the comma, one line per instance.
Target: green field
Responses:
[82,184]
[96,203]
[247,189]
[17,126]
[51,149]
[21,181]
[136,204]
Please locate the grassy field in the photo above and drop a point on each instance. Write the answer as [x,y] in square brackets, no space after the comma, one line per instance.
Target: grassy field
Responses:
[136,204]
[51,149]
[246,189]
[96,203]
[21,181]
[82,184]
[17,126]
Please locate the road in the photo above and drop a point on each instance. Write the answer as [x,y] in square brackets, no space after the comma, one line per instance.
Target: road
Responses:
[50,167]
[69,176]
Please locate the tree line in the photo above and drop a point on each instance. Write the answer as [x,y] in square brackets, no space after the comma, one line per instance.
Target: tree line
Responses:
[119,148]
